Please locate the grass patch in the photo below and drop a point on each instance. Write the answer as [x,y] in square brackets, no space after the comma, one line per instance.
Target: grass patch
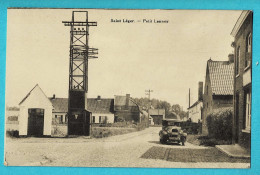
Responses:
[206,141]
[100,132]
[12,133]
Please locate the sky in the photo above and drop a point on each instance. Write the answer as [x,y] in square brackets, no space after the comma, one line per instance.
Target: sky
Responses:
[168,58]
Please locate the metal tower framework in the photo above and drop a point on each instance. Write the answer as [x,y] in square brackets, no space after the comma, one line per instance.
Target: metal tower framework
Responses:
[79,119]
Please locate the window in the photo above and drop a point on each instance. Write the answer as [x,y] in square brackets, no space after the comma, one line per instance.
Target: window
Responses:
[248,49]
[99,119]
[237,61]
[249,43]
[207,89]
[93,120]
[248,110]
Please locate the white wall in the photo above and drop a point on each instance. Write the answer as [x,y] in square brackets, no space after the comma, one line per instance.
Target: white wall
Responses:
[195,112]
[59,114]
[110,117]
[37,99]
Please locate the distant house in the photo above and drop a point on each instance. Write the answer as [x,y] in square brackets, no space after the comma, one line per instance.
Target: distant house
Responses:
[218,91]
[242,33]
[157,115]
[126,109]
[101,109]
[60,110]
[195,110]
[35,118]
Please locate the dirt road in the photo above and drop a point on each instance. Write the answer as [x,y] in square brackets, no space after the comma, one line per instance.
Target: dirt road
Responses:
[117,151]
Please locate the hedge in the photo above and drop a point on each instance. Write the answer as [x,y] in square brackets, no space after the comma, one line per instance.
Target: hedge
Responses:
[220,124]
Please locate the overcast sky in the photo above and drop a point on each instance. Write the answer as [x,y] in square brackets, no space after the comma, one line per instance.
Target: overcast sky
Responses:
[168,58]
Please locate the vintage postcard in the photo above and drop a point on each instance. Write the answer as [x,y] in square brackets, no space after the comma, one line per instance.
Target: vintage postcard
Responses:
[128,88]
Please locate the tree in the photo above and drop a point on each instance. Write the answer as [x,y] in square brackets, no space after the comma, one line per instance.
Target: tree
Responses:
[176,108]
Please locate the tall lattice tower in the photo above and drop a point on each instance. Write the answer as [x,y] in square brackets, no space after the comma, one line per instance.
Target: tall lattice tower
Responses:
[79,119]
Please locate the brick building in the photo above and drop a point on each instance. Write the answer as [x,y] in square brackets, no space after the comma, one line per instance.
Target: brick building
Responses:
[126,109]
[218,91]
[242,33]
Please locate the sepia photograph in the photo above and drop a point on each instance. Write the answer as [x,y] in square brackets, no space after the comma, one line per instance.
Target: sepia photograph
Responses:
[128,88]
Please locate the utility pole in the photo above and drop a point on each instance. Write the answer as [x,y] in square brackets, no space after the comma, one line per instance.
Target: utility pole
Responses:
[189,97]
[148,92]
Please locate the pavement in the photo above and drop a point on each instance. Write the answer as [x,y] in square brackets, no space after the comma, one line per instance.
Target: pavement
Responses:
[235,151]
[126,150]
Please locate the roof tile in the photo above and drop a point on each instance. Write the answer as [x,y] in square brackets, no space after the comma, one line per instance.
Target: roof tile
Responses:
[221,75]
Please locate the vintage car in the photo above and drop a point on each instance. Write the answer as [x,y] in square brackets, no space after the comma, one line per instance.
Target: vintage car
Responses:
[172,132]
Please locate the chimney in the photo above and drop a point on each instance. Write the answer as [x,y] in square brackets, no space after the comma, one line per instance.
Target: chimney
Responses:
[53,97]
[231,58]
[98,98]
[127,100]
[200,91]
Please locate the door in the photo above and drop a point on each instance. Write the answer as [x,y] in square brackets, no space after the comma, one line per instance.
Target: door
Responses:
[35,122]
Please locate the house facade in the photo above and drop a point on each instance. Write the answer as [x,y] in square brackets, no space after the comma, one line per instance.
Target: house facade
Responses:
[102,109]
[35,115]
[242,33]
[126,109]
[218,89]
[195,110]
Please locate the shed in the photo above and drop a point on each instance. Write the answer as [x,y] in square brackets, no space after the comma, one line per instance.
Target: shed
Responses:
[35,114]
[158,115]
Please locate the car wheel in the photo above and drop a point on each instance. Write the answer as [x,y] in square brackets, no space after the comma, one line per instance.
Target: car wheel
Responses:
[162,141]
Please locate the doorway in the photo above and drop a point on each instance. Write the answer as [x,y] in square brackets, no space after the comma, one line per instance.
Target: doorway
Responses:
[35,121]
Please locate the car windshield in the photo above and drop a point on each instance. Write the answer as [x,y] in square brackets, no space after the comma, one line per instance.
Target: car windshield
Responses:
[172,123]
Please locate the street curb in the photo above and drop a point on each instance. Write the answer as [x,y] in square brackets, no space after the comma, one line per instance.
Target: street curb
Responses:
[230,154]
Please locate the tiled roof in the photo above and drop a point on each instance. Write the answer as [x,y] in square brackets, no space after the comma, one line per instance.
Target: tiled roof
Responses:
[59,104]
[100,106]
[94,105]
[156,111]
[121,101]
[221,74]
